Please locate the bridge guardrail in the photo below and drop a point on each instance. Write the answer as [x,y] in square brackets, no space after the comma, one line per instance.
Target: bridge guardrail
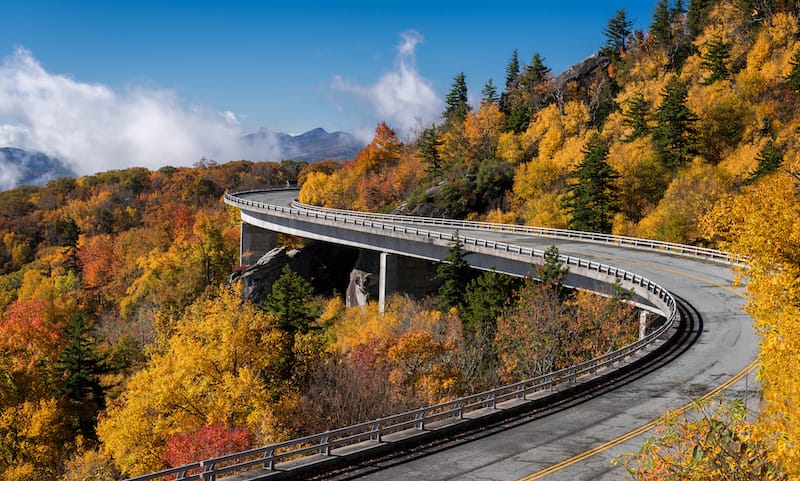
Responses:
[323,443]
[627,241]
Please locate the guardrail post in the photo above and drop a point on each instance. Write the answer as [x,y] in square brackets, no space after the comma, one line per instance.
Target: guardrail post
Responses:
[420,418]
[269,464]
[376,432]
[642,324]
[325,446]
[208,471]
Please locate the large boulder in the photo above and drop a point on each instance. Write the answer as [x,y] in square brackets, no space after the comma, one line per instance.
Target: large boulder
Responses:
[325,266]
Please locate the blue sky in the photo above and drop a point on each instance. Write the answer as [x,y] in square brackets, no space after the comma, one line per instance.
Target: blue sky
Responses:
[232,67]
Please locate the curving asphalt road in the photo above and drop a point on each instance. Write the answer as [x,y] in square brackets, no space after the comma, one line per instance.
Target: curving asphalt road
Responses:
[725,346]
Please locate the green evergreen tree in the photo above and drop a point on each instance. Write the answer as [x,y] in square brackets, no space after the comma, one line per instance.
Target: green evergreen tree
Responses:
[489,94]
[456,102]
[79,370]
[527,96]
[428,147]
[696,16]
[512,70]
[484,299]
[715,60]
[292,301]
[793,79]
[592,199]
[455,274]
[769,158]
[661,26]
[293,304]
[674,134]
[553,272]
[635,117]
[676,12]
[616,33]
[535,72]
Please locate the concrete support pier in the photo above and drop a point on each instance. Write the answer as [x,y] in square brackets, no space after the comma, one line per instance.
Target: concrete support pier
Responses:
[387,280]
[255,242]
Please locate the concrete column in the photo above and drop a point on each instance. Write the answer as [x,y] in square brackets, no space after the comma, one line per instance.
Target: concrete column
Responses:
[387,283]
[642,324]
[255,242]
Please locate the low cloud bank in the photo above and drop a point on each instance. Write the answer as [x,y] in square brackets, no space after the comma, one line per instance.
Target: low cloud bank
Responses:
[93,128]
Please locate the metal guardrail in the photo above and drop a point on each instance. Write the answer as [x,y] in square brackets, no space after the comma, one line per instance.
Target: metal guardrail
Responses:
[626,241]
[267,457]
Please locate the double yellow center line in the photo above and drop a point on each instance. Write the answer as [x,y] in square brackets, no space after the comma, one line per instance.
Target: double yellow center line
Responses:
[647,427]
[638,431]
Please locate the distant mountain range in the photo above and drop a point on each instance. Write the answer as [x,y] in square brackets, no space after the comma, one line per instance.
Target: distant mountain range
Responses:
[311,146]
[21,167]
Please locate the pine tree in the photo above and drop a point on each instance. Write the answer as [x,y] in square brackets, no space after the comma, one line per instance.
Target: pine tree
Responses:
[793,79]
[512,70]
[455,274]
[673,136]
[528,95]
[661,26]
[769,158]
[292,302]
[489,94]
[484,300]
[535,73]
[79,371]
[456,106]
[617,32]
[428,148]
[676,12]
[715,60]
[553,272]
[696,16]
[635,117]
[592,199]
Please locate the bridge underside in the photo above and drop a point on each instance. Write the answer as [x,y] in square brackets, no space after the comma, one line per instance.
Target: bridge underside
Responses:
[399,259]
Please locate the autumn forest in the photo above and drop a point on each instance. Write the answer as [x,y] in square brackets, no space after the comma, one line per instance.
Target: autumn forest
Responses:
[124,348]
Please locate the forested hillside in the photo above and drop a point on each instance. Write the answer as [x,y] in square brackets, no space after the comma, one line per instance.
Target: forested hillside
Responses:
[123,349]
[687,132]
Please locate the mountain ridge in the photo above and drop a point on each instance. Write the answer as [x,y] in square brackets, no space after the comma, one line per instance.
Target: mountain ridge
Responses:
[28,167]
[311,146]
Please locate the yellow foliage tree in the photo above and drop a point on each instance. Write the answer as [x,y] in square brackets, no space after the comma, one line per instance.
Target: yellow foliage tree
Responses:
[689,197]
[32,441]
[762,224]
[209,373]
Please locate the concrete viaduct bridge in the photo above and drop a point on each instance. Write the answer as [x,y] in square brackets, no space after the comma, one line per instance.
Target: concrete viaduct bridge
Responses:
[566,425]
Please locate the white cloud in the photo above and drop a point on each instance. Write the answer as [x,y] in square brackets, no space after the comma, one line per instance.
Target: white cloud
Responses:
[401,97]
[94,128]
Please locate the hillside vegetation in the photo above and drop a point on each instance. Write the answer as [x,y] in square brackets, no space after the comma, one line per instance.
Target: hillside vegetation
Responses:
[686,133]
[124,350]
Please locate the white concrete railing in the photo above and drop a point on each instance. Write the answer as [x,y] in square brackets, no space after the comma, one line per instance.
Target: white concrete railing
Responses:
[374,431]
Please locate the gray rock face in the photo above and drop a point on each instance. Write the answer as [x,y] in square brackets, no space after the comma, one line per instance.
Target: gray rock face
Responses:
[325,266]
[258,278]
[358,290]
[584,71]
